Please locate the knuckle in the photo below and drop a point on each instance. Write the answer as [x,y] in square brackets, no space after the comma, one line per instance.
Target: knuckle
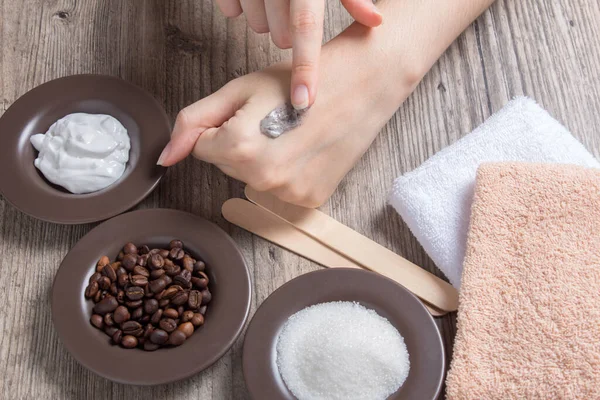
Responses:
[304,21]
[283,41]
[183,118]
[242,151]
[305,66]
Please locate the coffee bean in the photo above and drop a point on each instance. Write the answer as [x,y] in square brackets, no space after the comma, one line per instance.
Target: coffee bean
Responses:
[167,279]
[116,265]
[95,277]
[104,294]
[194,300]
[148,331]
[202,310]
[176,253]
[142,261]
[187,328]
[167,325]
[175,243]
[199,283]
[176,338]
[139,270]
[120,256]
[134,304]
[144,250]
[150,306]
[187,316]
[154,251]
[156,317]
[135,293]
[156,261]
[121,271]
[114,289]
[159,336]
[132,328]
[164,253]
[104,260]
[129,342]
[137,314]
[180,298]
[180,310]
[171,313]
[104,283]
[157,273]
[158,285]
[149,293]
[183,278]
[129,262]
[145,319]
[206,296]
[188,263]
[172,270]
[98,296]
[121,315]
[170,292]
[141,341]
[123,280]
[164,302]
[106,305]
[149,346]
[108,319]
[91,290]
[110,330]
[199,266]
[97,321]
[117,337]
[139,280]
[130,248]
[197,320]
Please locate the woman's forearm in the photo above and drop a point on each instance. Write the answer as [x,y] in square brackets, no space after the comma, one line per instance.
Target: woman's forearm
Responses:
[414,34]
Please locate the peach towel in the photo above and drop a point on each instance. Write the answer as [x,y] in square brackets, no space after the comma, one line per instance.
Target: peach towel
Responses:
[529,314]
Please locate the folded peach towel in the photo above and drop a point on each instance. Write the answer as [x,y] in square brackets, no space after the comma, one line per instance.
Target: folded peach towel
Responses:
[529,314]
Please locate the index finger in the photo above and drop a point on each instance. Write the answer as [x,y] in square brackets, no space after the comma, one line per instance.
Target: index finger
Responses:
[306,20]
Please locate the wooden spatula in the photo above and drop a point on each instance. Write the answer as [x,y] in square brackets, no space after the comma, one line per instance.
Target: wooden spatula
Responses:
[361,250]
[267,225]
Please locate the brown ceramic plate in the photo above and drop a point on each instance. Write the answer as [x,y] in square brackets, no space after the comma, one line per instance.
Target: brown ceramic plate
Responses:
[225,317]
[372,290]
[25,187]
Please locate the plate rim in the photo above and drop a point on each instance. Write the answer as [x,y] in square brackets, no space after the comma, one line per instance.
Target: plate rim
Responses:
[254,321]
[117,210]
[191,372]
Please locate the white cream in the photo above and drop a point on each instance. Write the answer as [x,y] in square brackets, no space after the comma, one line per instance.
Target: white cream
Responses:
[83,152]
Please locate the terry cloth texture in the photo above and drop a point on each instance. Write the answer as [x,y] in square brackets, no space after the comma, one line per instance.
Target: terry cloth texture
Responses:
[529,314]
[435,199]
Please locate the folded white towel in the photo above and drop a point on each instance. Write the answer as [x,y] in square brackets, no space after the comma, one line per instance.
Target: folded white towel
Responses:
[435,198]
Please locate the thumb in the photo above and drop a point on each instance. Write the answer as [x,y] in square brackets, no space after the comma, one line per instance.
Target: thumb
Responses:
[364,12]
[192,121]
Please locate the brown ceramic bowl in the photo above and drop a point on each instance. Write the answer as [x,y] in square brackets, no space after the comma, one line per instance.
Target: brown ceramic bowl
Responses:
[373,291]
[225,317]
[26,188]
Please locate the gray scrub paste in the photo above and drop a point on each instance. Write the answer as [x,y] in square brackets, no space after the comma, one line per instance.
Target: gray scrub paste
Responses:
[282,119]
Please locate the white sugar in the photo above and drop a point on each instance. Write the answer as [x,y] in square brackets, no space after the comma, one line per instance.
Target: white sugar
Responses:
[341,350]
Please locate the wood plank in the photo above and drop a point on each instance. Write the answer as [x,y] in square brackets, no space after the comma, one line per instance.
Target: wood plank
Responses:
[183,50]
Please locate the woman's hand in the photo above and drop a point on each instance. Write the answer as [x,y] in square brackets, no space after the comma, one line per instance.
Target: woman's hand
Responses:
[365,75]
[298,24]
[306,164]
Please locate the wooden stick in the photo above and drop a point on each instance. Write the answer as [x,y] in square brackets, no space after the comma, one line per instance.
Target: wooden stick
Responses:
[267,225]
[361,250]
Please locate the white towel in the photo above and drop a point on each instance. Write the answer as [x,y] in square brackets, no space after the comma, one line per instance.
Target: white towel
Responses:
[435,198]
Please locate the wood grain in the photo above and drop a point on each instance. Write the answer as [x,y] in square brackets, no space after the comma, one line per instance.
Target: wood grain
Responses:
[182,50]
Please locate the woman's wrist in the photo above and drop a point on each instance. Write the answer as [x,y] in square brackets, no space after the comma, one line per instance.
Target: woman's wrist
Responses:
[395,56]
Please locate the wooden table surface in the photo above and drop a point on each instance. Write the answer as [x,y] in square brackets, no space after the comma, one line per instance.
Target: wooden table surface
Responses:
[182,50]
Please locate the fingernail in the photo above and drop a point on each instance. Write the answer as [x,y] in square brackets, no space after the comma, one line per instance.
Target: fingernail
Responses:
[376,11]
[164,154]
[300,97]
